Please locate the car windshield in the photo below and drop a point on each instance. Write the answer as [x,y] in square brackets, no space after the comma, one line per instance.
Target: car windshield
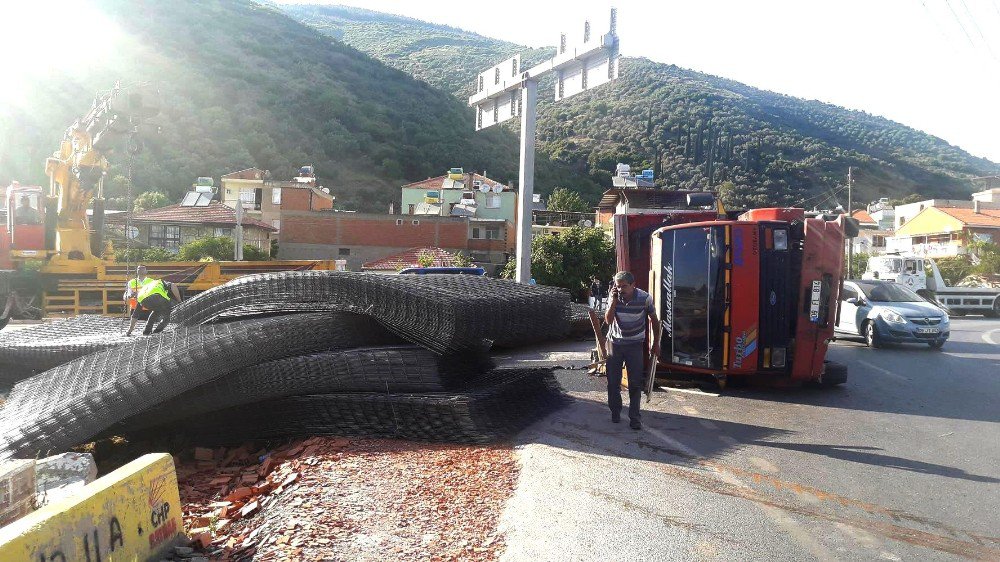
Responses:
[889,292]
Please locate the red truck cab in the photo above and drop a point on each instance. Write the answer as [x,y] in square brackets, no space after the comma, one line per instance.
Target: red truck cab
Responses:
[752,296]
[25,217]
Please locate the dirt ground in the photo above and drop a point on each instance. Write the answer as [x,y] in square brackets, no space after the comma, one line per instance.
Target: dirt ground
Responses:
[339,499]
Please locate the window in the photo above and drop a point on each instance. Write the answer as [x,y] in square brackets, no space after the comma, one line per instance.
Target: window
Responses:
[399,222]
[416,222]
[492,233]
[413,208]
[247,195]
[221,231]
[165,236]
[276,223]
[343,251]
[276,196]
[475,234]
[486,233]
[492,201]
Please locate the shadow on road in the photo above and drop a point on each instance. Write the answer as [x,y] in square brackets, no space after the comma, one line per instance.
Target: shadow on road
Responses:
[865,456]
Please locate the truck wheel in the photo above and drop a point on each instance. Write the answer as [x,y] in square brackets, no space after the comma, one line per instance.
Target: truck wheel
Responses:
[871,335]
[833,374]
[995,313]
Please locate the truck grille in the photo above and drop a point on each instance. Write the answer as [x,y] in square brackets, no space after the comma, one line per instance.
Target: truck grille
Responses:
[775,303]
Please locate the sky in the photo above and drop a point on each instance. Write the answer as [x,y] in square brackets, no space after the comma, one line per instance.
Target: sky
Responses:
[930,64]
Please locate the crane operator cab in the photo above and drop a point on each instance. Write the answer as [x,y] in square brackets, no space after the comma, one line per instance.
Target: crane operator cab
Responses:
[26,219]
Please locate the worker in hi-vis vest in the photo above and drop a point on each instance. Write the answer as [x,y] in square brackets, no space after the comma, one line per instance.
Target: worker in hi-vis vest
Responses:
[154,295]
[132,287]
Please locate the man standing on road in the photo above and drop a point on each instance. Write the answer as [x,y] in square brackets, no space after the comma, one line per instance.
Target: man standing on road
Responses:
[154,295]
[630,313]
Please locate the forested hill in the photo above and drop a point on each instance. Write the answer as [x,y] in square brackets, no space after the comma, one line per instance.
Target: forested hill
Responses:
[243,84]
[694,129]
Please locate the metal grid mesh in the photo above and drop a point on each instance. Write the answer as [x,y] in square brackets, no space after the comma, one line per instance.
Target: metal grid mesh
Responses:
[67,405]
[498,405]
[446,313]
[38,348]
[392,369]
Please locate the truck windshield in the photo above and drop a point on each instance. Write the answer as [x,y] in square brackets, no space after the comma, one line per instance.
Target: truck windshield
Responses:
[889,292]
[694,296]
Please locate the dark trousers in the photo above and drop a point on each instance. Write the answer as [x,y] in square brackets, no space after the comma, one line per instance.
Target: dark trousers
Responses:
[631,356]
[159,314]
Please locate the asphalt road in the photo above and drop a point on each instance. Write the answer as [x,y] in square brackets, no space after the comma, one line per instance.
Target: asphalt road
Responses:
[900,463]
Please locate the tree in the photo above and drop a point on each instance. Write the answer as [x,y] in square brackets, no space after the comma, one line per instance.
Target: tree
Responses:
[569,259]
[425,259]
[150,200]
[137,255]
[219,248]
[461,260]
[563,199]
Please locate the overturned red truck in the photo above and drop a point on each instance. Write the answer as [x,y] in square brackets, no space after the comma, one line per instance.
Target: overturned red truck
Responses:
[751,294]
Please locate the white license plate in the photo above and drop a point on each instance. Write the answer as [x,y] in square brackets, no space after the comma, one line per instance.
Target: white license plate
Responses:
[927,330]
[817,289]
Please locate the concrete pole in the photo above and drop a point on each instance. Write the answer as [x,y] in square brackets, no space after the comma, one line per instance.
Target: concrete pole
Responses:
[529,97]
[238,233]
[850,241]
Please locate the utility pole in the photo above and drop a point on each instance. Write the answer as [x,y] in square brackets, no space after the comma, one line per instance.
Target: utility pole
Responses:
[505,91]
[850,241]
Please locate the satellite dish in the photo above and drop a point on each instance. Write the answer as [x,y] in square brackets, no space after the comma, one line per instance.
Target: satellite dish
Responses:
[497,188]
[484,188]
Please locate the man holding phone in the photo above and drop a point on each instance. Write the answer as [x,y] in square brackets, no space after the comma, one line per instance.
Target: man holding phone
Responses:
[630,313]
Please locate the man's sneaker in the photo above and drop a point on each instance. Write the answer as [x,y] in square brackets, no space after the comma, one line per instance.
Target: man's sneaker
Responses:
[616,417]
[635,424]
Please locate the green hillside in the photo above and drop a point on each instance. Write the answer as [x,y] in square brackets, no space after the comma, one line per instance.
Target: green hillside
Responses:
[695,130]
[243,85]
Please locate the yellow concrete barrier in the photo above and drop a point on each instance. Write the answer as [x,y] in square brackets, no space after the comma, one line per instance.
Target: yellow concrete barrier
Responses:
[131,514]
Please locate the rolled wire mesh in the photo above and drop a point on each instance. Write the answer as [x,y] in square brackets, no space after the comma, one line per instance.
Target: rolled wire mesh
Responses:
[30,350]
[393,369]
[496,406]
[445,313]
[67,405]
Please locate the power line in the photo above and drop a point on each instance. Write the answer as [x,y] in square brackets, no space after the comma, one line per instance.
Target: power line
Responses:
[978,30]
[960,24]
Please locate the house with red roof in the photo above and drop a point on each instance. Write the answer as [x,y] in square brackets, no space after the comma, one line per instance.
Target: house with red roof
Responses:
[947,231]
[173,226]
[431,257]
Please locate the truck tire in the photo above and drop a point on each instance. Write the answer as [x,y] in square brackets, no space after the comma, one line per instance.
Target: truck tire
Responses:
[833,374]
[870,332]
[995,313]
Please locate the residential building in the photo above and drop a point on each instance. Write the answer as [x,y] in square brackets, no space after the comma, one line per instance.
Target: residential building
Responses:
[173,226]
[265,199]
[991,195]
[906,212]
[553,222]
[638,201]
[474,195]
[883,214]
[411,258]
[946,231]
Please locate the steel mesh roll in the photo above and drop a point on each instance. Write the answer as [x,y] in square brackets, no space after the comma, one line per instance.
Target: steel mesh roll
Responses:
[498,405]
[30,350]
[392,369]
[446,313]
[69,404]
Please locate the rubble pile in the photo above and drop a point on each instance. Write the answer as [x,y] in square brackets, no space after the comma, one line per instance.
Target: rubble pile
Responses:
[339,499]
[302,353]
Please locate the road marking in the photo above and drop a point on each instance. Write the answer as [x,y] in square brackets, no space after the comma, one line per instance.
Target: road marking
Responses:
[708,424]
[764,465]
[988,336]
[886,372]
[692,411]
[689,391]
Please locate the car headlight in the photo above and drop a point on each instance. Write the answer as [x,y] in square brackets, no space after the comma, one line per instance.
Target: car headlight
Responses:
[945,319]
[892,317]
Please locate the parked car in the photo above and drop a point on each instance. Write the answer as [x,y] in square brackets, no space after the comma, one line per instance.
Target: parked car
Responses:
[884,312]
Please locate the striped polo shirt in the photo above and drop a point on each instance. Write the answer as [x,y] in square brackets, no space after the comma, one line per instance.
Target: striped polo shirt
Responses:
[631,319]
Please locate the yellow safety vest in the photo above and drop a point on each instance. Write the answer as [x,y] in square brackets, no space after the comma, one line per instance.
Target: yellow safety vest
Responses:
[133,283]
[153,288]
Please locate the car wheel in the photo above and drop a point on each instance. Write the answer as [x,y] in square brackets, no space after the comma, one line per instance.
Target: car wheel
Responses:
[871,335]
[936,344]
[833,374]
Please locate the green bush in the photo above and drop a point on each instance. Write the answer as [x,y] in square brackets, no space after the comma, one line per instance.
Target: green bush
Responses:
[218,248]
[137,255]
[569,259]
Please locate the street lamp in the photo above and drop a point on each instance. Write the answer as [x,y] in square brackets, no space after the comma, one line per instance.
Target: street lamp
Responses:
[504,92]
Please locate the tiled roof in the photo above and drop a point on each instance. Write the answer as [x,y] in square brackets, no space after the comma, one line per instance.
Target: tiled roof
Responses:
[435,183]
[863,217]
[248,174]
[985,217]
[215,214]
[442,258]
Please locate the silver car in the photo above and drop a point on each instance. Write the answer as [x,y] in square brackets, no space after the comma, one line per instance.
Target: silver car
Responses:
[883,312]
